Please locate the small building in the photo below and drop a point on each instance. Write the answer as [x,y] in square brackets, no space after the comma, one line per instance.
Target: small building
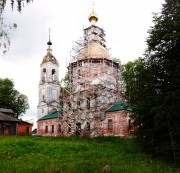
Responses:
[48,125]
[24,128]
[116,121]
[10,125]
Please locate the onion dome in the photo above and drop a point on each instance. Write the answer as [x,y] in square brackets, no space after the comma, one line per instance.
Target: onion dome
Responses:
[93,17]
[49,57]
[49,43]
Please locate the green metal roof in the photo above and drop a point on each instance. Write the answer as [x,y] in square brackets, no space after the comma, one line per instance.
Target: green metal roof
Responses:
[120,105]
[49,116]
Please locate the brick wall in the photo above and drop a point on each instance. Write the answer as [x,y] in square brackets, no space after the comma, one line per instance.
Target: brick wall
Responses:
[115,124]
[24,128]
[48,127]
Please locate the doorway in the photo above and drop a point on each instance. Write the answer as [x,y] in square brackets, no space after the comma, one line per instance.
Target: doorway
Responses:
[78,129]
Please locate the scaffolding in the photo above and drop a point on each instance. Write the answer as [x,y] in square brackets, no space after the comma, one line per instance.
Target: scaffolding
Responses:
[91,86]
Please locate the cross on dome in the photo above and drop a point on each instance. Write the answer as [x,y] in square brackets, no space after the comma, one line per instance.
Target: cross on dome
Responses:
[49,42]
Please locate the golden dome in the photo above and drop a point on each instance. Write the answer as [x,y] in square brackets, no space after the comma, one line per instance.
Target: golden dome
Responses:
[93,17]
[94,51]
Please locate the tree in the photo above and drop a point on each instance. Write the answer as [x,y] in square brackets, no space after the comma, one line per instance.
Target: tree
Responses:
[64,85]
[10,98]
[153,85]
[4,27]
[20,3]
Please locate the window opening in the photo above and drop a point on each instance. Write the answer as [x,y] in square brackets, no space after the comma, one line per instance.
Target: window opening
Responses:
[69,104]
[88,126]
[53,74]
[69,128]
[78,103]
[88,103]
[78,128]
[52,128]
[110,126]
[46,129]
[79,72]
[27,130]
[44,75]
[59,128]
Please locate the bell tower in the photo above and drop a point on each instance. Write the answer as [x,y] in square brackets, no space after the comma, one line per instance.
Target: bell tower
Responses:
[49,88]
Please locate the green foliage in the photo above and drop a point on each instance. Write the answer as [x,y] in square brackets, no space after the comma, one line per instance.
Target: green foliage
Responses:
[153,86]
[10,98]
[75,155]
[65,88]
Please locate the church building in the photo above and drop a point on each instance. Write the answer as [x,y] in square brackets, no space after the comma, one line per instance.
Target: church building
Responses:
[91,101]
[49,91]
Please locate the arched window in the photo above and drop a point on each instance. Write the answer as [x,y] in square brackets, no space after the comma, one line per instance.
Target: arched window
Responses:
[52,128]
[88,104]
[110,125]
[46,129]
[53,74]
[69,128]
[59,128]
[44,75]
[78,103]
[69,104]
[88,126]
[79,72]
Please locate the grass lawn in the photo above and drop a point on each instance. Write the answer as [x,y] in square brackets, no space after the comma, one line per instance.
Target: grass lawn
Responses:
[28,154]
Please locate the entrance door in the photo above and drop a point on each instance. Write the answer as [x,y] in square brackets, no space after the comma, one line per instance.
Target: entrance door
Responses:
[78,128]
[27,130]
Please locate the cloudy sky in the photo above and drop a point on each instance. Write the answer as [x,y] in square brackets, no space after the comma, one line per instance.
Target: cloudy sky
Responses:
[125,22]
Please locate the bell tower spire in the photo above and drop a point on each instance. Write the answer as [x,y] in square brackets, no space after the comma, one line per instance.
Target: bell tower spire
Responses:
[49,43]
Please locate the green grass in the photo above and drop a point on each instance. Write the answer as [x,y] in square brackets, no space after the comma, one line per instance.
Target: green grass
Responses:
[28,154]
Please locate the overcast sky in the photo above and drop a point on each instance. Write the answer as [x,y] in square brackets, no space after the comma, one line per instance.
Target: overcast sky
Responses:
[125,22]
